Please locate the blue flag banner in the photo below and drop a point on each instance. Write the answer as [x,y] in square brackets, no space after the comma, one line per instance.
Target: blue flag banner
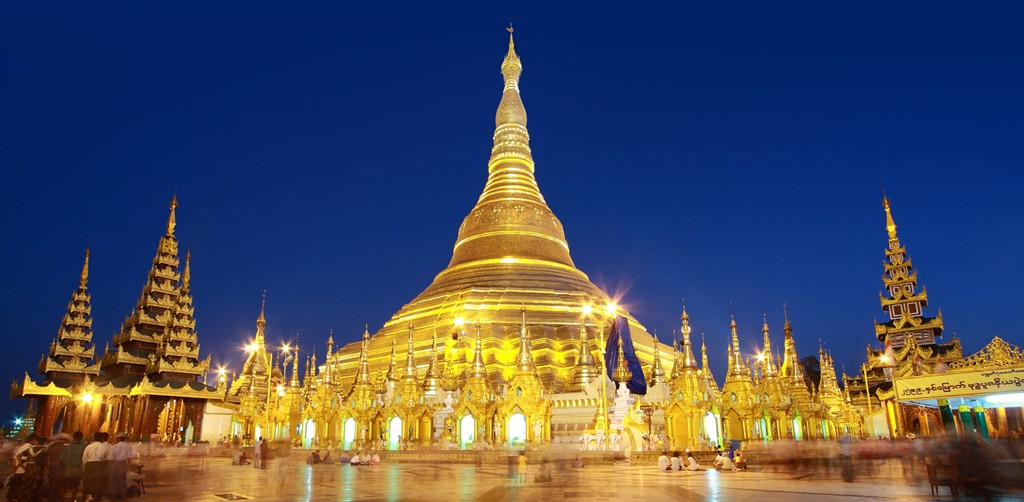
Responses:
[620,335]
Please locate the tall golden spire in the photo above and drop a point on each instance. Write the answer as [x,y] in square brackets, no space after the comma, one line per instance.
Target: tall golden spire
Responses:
[657,373]
[170,219]
[364,363]
[689,363]
[767,365]
[586,369]
[432,379]
[511,220]
[83,279]
[525,359]
[736,366]
[410,360]
[479,370]
[392,375]
[890,225]
[72,349]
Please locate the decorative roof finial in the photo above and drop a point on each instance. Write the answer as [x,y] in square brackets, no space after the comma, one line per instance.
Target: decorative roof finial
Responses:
[83,279]
[186,275]
[170,219]
[890,225]
[263,307]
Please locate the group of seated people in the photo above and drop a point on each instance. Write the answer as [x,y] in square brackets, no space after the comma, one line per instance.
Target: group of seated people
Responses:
[365,459]
[722,462]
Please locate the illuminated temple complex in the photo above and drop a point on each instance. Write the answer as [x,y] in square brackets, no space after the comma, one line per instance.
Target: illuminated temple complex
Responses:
[505,348]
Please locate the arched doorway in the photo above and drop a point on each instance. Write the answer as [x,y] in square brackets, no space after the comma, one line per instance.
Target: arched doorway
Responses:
[711,428]
[350,433]
[395,433]
[467,431]
[516,428]
[308,434]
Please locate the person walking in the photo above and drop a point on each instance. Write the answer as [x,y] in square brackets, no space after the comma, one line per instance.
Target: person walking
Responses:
[264,453]
[71,459]
[94,458]
[522,466]
[257,455]
[118,456]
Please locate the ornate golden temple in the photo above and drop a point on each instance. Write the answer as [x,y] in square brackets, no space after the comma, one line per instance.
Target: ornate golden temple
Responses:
[505,348]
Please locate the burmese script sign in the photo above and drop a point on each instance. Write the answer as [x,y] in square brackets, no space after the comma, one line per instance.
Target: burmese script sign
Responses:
[946,385]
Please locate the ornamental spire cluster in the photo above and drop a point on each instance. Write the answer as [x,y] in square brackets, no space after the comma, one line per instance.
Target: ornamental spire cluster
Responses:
[72,351]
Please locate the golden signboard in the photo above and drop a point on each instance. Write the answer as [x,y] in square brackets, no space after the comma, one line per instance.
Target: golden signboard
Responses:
[973,383]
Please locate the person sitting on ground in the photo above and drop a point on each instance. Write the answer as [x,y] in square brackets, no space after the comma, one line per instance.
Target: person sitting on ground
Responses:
[691,463]
[344,458]
[577,463]
[675,463]
[375,459]
[740,461]
[663,463]
[724,463]
[355,459]
[314,458]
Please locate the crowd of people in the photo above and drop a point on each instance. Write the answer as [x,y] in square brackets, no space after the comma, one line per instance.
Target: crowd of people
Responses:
[42,469]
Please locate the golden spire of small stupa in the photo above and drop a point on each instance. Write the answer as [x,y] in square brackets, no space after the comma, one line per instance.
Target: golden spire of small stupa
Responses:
[170,219]
[689,362]
[83,279]
[890,225]
[410,360]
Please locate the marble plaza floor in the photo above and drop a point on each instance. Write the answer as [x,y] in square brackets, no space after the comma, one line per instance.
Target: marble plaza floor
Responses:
[214,479]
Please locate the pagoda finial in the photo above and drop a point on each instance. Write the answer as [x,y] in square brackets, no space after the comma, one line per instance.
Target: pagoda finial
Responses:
[186,275]
[170,219]
[83,279]
[410,361]
[689,362]
[890,225]
[525,359]
[657,373]
[262,320]
[479,369]
[511,67]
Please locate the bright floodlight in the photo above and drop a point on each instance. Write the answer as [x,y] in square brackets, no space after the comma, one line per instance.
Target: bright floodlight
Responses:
[760,357]
[285,348]
[611,308]
[87,398]
[587,309]
[459,322]
[884,358]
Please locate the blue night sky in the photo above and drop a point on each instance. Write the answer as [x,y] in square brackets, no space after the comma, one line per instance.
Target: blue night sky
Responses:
[729,155]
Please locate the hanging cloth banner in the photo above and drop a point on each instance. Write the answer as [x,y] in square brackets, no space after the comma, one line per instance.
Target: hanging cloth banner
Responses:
[637,384]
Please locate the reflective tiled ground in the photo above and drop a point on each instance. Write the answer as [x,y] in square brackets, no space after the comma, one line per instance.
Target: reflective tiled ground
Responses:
[214,479]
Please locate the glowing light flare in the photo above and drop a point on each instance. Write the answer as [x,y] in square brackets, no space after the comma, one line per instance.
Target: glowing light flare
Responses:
[87,397]
[611,308]
[587,309]
[760,356]
[17,421]
[285,348]
[884,358]
[459,322]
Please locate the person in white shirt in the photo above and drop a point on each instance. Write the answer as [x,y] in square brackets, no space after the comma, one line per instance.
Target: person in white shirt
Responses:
[674,463]
[94,459]
[724,463]
[117,464]
[355,459]
[663,463]
[691,463]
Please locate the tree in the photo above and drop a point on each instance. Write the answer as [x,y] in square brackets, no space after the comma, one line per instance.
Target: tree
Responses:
[812,371]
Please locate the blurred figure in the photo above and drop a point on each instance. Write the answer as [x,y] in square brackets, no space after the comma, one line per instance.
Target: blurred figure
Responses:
[740,461]
[71,458]
[545,471]
[845,458]
[344,458]
[118,456]
[522,466]
[675,463]
[94,460]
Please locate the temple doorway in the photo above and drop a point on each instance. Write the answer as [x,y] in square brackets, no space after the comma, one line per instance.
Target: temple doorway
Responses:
[350,433]
[395,433]
[711,428]
[467,429]
[517,429]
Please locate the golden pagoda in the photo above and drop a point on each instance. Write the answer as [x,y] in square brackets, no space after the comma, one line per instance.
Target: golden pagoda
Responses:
[510,256]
